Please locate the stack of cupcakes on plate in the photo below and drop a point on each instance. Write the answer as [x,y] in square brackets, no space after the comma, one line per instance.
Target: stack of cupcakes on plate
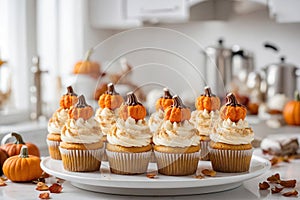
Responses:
[57,121]
[206,113]
[129,142]
[230,146]
[81,147]
[108,111]
[176,144]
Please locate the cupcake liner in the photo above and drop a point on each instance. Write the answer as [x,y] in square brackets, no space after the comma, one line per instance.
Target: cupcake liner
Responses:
[53,148]
[104,156]
[177,164]
[204,151]
[81,160]
[128,163]
[230,160]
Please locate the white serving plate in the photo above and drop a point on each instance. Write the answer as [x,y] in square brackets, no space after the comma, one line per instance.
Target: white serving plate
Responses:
[106,182]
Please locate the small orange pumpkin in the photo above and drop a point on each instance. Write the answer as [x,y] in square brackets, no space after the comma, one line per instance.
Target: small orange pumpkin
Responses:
[208,101]
[132,108]
[178,112]
[233,110]
[68,99]
[81,110]
[13,149]
[87,66]
[291,111]
[3,157]
[165,101]
[23,167]
[110,99]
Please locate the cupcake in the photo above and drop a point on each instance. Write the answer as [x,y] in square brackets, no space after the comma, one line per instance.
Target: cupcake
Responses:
[176,144]
[203,117]
[107,114]
[230,146]
[128,149]
[57,121]
[156,118]
[81,147]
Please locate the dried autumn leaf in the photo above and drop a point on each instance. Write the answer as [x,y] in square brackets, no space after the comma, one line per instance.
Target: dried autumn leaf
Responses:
[264,185]
[208,172]
[44,195]
[285,159]
[199,176]
[288,183]
[55,188]
[274,178]
[151,175]
[274,161]
[2,183]
[276,190]
[291,193]
[3,179]
[40,186]
[39,180]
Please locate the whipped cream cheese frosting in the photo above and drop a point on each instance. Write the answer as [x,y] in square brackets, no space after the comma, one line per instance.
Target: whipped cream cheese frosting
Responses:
[181,134]
[203,120]
[130,133]
[81,131]
[156,120]
[57,121]
[233,133]
[106,118]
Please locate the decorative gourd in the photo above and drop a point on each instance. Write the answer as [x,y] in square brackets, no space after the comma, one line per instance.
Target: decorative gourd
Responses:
[3,157]
[165,101]
[178,112]
[132,108]
[208,101]
[291,111]
[23,167]
[87,66]
[69,99]
[13,149]
[233,110]
[81,110]
[110,99]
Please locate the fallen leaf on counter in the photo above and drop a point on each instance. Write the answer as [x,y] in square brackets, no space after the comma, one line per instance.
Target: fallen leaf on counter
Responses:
[276,190]
[208,172]
[44,195]
[39,180]
[55,188]
[274,160]
[40,186]
[152,174]
[288,183]
[274,178]
[264,185]
[199,176]
[3,179]
[2,183]
[291,193]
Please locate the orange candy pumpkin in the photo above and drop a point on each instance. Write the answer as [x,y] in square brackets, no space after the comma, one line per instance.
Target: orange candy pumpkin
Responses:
[87,66]
[69,99]
[165,101]
[81,110]
[208,101]
[291,111]
[178,112]
[233,110]
[110,99]
[132,108]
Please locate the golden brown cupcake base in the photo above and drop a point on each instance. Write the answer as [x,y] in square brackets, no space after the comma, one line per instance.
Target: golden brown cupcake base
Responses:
[223,146]
[53,142]
[78,146]
[166,149]
[118,148]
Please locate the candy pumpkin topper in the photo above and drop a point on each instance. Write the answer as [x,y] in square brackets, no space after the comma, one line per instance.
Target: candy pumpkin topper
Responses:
[132,108]
[207,101]
[233,110]
[165,101]
[110,99]
[178,112]
[68,99]
[81,110]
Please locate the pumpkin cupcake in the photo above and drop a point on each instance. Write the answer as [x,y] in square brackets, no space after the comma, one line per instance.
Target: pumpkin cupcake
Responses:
[206,113]
[107,114]
[81,147]
[57,121]
[230,146]
[128,148]
[176,144]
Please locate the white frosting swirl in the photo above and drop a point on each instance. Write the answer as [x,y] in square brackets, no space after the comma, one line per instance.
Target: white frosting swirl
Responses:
[156,120]
[57,121]
[203,120]
[130,133]
[229,132]
[106,118]
[81,131]
[181,134]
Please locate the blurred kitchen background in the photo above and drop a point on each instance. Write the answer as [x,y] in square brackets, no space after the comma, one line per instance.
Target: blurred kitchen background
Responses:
[148,44]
